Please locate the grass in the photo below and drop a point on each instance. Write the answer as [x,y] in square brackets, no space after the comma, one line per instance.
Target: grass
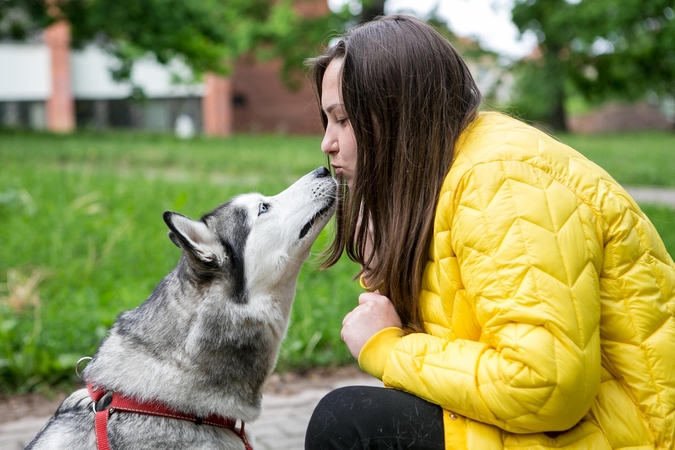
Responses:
[83,237]
[85,212]
[638,159]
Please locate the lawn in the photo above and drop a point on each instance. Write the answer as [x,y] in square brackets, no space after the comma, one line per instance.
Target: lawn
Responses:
[83,237]
[638,159]
[83,214]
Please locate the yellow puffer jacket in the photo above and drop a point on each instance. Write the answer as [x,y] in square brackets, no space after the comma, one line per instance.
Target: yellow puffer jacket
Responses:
[548,302]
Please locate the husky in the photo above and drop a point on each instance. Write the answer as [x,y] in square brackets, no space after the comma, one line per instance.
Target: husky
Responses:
[198,351]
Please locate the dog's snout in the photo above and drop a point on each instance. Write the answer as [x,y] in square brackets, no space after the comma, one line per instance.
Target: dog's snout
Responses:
[322,172]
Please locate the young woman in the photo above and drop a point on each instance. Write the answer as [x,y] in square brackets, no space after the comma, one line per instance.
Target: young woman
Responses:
[517,296]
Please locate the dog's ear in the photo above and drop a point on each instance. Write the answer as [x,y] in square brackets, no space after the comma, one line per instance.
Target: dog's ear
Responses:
[194,237]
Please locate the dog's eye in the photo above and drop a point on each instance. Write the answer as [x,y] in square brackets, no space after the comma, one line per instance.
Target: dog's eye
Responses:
[263,208]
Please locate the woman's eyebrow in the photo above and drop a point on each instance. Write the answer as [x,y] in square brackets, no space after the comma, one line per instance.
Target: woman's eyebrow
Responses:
[332,107]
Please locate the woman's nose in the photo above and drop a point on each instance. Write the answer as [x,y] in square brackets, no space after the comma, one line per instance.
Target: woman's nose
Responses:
[329,143]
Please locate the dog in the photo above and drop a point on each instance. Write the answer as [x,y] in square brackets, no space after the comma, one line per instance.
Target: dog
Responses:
[198,351]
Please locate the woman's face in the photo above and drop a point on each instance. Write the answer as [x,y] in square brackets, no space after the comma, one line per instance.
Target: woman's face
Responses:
[338,142]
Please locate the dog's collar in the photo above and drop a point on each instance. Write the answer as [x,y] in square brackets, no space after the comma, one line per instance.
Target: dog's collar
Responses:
[121,403]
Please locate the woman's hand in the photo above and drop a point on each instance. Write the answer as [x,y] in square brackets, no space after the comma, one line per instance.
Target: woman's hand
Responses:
[374,313]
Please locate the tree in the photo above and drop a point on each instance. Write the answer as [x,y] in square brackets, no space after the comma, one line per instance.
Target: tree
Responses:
[601,48]
[371,9]
[208,35]
[631,52]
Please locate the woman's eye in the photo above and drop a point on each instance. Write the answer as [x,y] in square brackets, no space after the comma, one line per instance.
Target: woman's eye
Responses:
[341,121]
[263,208]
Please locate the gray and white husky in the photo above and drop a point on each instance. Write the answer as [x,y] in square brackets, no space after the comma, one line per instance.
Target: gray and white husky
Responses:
[207,338]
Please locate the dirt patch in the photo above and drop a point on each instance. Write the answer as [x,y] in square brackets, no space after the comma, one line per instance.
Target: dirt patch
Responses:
[16,407]
[317,378]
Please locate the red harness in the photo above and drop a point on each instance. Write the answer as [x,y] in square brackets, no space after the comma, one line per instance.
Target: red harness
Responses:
[121,403]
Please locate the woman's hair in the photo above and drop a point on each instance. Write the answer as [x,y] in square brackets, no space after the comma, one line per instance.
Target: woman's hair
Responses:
[408,95]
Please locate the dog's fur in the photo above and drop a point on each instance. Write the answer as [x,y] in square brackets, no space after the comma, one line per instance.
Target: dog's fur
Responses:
[208,336]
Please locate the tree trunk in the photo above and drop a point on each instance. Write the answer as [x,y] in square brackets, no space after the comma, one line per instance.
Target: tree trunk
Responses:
[371,10]
[556,75]
[558,117]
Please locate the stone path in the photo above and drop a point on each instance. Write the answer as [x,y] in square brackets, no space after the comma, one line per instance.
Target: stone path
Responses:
[651,195]
[281,426]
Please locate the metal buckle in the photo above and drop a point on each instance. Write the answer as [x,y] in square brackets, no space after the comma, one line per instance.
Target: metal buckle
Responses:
[77,366]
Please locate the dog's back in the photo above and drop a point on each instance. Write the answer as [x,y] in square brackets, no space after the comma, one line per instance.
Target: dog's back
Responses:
[70,427]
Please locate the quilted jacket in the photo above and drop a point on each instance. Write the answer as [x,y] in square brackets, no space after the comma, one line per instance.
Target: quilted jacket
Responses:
[548,304]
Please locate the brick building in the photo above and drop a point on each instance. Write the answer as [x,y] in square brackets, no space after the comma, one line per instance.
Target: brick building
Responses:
[45,85]
[258,99]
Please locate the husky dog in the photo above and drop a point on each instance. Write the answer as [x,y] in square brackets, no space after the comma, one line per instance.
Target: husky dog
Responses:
[204,342]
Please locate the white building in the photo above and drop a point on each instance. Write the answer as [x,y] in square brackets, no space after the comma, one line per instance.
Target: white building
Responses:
[28,80]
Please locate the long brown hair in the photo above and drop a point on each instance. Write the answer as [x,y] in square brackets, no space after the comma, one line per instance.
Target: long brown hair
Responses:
[408,95]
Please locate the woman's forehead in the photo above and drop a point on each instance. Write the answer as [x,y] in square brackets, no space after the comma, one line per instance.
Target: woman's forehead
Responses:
[331,86]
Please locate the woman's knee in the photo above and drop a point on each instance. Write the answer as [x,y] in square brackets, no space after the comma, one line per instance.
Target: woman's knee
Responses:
[355,415]
[342,407]
[331,425]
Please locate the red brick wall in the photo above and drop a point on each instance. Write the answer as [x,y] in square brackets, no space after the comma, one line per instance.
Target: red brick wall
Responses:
[262,103]
[217,108]
[60,104]
[311,8]
[615,117]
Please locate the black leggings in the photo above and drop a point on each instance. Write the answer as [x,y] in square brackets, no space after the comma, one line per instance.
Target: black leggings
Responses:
[364,417]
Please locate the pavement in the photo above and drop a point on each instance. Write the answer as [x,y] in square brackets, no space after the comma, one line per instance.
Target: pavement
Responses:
[284,417]
[281,425]
[651,195]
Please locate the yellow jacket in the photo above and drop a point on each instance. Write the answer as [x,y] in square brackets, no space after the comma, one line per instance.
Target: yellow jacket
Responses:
[548,303]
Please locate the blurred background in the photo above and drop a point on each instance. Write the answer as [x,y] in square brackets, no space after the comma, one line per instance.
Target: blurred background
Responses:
[114,111]
[218,67]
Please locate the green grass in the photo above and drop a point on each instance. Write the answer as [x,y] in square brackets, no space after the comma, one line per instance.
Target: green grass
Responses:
[664,221]
[84,212]
[638,159]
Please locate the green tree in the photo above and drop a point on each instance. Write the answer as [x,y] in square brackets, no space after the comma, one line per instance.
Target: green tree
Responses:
[602,49]
[371,9]
[208,35]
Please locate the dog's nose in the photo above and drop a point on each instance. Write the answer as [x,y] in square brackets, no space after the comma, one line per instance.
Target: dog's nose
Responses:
[322,172]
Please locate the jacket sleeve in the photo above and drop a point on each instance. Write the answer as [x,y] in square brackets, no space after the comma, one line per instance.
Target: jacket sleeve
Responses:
[529,255]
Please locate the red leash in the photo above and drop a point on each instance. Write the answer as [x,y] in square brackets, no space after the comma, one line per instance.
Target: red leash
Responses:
[121,403]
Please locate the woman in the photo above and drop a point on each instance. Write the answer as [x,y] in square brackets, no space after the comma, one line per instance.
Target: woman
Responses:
[517,296]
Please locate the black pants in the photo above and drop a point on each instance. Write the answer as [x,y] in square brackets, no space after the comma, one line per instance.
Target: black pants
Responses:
[363,417]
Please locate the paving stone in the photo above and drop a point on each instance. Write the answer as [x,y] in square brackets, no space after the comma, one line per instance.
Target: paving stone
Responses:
[281,425]
[653,195]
